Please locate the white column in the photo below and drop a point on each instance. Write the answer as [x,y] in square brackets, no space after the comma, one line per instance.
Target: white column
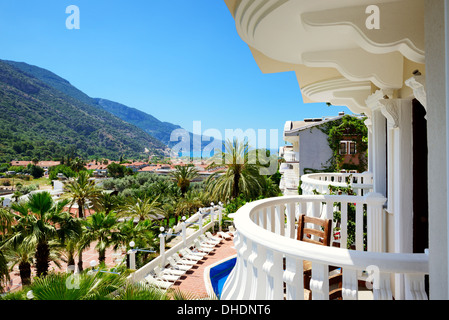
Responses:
[369,125]
[437,106]
[399,116]
[379,153]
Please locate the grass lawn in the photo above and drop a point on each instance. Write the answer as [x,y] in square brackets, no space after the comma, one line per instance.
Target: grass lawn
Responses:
[42,182]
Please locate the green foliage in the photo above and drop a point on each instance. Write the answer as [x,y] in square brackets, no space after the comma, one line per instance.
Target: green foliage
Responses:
[347,126]
[62,168]
[118,171]
[35,171]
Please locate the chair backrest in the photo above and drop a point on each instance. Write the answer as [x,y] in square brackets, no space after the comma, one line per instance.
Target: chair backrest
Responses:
[157,270]
[171,261]
[323,233]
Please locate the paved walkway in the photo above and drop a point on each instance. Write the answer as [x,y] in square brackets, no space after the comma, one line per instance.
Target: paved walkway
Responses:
[193,281]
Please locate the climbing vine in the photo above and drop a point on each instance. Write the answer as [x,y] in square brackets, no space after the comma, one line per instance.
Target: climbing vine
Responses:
[346,127]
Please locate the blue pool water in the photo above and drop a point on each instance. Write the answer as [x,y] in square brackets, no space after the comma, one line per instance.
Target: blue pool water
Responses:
[219,274]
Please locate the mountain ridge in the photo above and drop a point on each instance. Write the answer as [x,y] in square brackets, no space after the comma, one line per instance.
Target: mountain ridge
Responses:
[158,129]
[40,121]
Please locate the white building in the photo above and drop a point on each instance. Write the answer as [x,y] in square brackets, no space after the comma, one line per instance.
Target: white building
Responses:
[388,59]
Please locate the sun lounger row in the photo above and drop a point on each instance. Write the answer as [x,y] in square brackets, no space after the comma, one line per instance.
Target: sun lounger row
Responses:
[179,264]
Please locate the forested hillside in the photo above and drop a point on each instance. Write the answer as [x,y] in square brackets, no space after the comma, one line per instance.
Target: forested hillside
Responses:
[39,121]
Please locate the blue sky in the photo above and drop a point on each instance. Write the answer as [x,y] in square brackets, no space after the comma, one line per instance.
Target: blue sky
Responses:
[178,60]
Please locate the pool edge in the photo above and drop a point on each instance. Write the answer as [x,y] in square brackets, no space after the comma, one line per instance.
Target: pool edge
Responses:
[206,276]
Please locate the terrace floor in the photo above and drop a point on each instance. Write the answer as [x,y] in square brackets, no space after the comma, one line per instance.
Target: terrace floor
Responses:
[193,281]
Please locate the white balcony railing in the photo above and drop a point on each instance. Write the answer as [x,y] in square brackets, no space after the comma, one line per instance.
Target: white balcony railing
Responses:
[291,156]
[362,183]
[270,259]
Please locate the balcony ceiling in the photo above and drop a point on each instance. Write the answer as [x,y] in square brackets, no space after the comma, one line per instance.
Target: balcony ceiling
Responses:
[327,40]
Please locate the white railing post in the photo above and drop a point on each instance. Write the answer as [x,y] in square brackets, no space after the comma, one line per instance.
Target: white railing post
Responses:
[212,214]
[258,280]
[279,219]
[350,284]
[381,286]
[291,220]
[220,217]
[162,249]
[319,284]
[294,278]
[274,275]
[375,232]
[415,287]
[132,259]
[184,234]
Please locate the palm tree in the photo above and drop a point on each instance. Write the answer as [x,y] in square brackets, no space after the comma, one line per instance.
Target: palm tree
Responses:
[100,227]
[188,205]
[36,225]
[92,286]
[142,208]
[81,190]
[4,272]
[6,221]
[22,254]
[141,233]
[183,175]
[84,286]
[77,164]
[240,176]
[107,202]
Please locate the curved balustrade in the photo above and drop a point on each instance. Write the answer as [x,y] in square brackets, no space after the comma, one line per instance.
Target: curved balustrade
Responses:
[270,260]
[362,183]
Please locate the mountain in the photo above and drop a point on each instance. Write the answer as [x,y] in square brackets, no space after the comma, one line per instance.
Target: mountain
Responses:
[39,120]
[148,123]
[158,129]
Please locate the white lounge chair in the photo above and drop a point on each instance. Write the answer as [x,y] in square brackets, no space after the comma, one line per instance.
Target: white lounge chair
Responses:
[189,256]
[165,277]
[180,260]
[212,237]
[158,283]
[210,240]
[204,244]
[201,248]
[176,266]
[199,254]
[174,272]
[206,241]
[224,235]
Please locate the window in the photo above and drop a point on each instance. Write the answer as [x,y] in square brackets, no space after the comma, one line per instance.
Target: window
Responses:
[343,147]
[347,147]
[352,149]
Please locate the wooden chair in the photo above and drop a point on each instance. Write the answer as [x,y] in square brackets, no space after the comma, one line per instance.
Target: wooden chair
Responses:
[319,236]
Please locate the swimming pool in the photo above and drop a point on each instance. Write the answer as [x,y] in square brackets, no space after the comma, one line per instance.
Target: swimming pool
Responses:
[215,275]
